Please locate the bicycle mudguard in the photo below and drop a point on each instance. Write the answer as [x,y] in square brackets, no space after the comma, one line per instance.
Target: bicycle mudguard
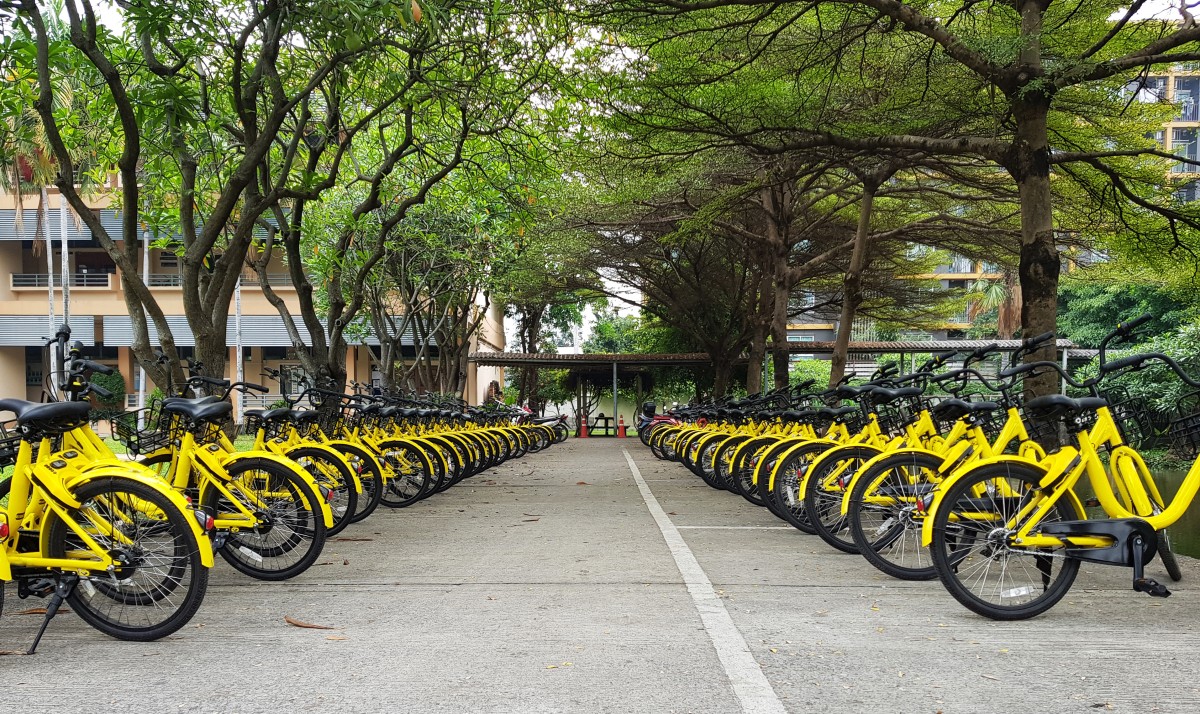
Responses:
[326,448]
[123,470]
[875,460]
[290,465]
[935,494]
[833,454]
[800,443]
[361,450]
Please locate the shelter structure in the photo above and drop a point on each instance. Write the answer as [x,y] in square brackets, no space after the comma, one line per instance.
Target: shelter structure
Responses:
[592,370]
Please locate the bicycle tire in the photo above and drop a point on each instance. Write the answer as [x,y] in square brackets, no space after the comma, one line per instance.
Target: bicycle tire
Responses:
[412,469]
[789,479]
[884,518]
[166,578]
[1167,555]
[370,475]
[261,553]
[331,472]
[956,535]
[827,481]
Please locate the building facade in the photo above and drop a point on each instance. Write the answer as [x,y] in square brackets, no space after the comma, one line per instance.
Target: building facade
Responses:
[99,319]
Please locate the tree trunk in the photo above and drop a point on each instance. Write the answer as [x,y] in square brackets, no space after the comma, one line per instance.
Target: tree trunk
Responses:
[852,284]
[757,355]
[780,357]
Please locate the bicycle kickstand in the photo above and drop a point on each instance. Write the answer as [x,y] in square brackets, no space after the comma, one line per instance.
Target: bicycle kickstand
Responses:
[62,590]
[1141,583]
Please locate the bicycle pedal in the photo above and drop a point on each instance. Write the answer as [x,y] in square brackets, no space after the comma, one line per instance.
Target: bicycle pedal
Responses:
[1151,587]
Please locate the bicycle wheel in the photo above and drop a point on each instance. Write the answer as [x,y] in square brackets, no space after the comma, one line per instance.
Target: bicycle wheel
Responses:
[741,468]
[1167,555]
[291,533]
[827,482]
[370,475]
[412,472]
[723,462]
[789,479]
[884,519]
[160,582]
[332,476]
[974,553]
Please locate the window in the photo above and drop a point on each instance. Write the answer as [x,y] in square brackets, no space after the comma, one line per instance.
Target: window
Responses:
[1159,136]
[1187,192]
[274,353]
[1186,91]
[1183,143]
[1150,89]
[800,338]
[167,259]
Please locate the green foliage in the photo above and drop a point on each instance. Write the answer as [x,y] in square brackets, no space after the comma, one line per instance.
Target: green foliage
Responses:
[613,334]
[1089,308]
[805,369]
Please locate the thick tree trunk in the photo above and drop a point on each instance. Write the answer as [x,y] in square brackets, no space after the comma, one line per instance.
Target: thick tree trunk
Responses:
[852,284]
[757,355]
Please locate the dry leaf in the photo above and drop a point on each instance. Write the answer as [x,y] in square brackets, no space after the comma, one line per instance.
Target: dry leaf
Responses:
[12,652]
[42,611]
[531,520]
[346,562]
[301,623]
[672,513]
[336,637]
[582,483]
[533,514]
[353,539]
[988,676]
[552,666]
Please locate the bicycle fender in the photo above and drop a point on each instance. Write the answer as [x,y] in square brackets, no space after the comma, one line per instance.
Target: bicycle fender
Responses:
[800,443]
[832,454]
[871,463]
[361,450]
[327,449]
[931,510]
[148,478]
[326,511]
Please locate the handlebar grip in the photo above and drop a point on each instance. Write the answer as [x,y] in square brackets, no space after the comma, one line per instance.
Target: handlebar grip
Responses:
[100,390]
[942,357]
[101,368]
[985,351]
[1125,328]
[1124,362]
[255,387]
[1032,341]
[209,380]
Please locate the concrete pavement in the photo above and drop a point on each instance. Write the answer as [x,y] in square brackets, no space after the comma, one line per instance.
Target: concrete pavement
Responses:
[546,585]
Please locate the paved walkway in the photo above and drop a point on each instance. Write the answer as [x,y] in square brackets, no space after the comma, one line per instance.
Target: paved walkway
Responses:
[558,583]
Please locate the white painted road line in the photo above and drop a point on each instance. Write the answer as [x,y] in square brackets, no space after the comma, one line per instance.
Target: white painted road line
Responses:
[736,528]
[749,683]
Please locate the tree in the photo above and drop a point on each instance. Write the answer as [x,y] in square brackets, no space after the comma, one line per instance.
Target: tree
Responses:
[1032,88]
[613,333]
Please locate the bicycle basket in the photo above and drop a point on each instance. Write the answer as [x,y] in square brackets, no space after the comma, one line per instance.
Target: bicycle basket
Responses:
[150,437]
[1183,432]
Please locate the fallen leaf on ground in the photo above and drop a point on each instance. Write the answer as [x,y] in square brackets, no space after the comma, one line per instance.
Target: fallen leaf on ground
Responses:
[301,623]
[354,539]
[41,611]
[346,562]
[12,652]
[533,514]
[988,676]
[552,666]
[530,520]
[582,483]
[336,637]
[672,513]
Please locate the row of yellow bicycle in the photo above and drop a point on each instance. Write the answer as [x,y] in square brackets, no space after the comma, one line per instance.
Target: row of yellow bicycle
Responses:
[928,479]
[129,543]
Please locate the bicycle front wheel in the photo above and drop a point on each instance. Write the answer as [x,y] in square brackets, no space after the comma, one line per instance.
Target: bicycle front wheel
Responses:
[975,549]
[291,530]
[159,582]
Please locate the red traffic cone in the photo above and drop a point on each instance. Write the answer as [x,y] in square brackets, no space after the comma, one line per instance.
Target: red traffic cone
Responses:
[583,429]
[621,427]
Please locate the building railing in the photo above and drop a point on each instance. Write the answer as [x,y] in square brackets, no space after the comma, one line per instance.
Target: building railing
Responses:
[75,280]
[249,280]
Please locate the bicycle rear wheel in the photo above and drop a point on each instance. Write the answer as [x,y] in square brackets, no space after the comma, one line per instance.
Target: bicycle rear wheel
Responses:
[885,520]
[161,580]
[974,548]
[330,473]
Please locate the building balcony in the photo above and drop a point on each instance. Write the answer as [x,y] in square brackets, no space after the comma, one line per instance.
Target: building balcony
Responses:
[249,280]
[33,281]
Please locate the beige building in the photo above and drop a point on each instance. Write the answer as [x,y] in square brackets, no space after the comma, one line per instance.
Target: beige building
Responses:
[98,316]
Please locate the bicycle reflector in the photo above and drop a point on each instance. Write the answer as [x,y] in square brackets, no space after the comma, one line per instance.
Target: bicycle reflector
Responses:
[3,530]
[207,523]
